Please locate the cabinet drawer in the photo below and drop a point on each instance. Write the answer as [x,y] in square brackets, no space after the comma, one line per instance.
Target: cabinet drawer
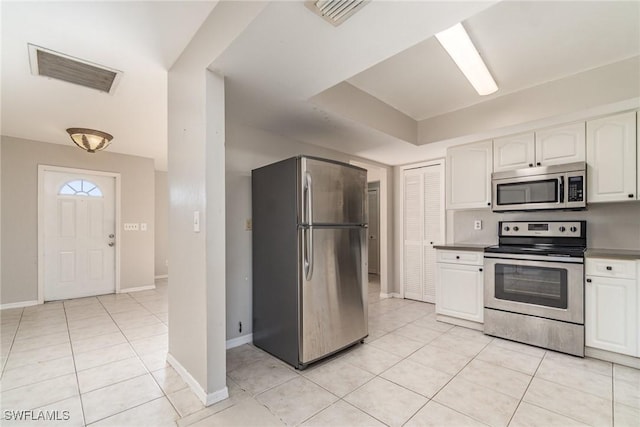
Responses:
[610,268]
[461,257]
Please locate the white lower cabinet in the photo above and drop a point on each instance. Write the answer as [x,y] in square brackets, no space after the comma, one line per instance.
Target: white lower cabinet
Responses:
[460,285]
[611,307]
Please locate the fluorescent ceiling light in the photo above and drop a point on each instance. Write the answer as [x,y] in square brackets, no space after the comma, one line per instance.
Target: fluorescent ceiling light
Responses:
[460,48]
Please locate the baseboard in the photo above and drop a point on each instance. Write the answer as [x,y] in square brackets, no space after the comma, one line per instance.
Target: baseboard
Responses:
[390,295]
[137,289]
[20,304]
[237,342]
[206,399]
[162,276]
[460,322]
[620,359]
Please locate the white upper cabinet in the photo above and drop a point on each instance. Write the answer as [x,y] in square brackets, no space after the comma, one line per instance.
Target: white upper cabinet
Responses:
[469,176]
[552,146]
[611,158]
[563,144]
[513,152]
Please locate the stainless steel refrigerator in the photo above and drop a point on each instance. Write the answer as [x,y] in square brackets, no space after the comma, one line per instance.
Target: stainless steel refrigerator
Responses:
[309,258]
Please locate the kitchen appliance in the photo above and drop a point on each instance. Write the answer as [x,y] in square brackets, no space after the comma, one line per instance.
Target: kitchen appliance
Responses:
[309,258]
[534,284]
[540,188]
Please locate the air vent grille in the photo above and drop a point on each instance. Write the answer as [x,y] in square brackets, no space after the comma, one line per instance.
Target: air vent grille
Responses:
[55,65]
[335,11]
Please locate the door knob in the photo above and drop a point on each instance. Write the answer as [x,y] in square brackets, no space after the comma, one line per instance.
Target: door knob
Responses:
[111,244]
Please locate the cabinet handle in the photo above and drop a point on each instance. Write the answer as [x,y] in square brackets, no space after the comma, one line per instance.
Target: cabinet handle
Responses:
[609,268]
[530,165]
[631,196]
[480,269]
[488,203]
[431,243]
[457,257]
[588,280]
[538,164]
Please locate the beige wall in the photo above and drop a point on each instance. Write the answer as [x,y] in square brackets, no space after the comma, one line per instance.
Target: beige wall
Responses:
[246,149]
[20,160]
[162,225]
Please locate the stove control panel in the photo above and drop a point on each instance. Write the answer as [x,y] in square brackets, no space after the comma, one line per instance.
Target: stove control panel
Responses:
[541,228]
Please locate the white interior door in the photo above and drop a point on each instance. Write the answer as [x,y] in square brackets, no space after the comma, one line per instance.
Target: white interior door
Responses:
[374,227]
[79,235]
[423,227]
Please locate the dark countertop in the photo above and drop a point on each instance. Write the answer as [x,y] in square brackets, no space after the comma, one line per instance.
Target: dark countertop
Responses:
[463,247]
[612,253]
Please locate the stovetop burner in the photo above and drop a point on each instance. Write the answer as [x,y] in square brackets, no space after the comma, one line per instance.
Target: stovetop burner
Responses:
[570,251]
[557,238]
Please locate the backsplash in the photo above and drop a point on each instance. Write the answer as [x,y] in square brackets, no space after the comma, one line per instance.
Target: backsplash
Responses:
[609,225]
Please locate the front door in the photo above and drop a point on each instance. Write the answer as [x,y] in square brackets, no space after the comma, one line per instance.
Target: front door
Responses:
[79,235]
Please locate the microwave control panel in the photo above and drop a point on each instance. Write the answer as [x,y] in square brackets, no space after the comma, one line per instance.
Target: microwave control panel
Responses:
[576,189]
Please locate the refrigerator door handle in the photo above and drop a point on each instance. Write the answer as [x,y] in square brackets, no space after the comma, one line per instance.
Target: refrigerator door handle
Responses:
[309,190]
[308,254]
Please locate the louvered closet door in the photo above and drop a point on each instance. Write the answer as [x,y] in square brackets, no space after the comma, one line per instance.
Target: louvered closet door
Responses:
[412,234]
[423,228]
[433,230]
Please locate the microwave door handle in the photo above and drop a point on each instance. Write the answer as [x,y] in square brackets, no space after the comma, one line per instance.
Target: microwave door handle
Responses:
[561,179]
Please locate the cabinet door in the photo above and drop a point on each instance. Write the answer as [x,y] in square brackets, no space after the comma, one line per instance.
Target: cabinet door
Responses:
[564,144]
[513,152]
[611,314]
[469,176]
[611,158]
[459,291]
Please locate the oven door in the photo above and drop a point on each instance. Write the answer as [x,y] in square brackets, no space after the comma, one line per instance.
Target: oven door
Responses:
[529,193]
[549,287]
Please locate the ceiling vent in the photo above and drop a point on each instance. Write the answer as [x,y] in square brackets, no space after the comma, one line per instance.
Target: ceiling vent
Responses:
[47,63]
[335,11]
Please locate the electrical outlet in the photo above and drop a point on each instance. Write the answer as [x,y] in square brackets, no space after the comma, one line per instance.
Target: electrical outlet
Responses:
[477,224]
[143,226]
[248,225]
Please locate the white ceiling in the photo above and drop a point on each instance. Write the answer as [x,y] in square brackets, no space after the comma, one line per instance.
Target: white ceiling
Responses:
[142,39]
[287,57]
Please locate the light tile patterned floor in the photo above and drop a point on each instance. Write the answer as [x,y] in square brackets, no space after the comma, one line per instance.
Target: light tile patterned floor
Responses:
[104,360]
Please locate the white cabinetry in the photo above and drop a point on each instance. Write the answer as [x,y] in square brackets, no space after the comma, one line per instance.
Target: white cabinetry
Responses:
[514,152]
[552,146]
[561,144]
[469,176]
[423,227]
[611,158]
[611,306]
[460,287]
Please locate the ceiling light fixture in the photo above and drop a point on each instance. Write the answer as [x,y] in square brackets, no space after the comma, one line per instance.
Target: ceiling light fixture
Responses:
[460,48]
[89,139]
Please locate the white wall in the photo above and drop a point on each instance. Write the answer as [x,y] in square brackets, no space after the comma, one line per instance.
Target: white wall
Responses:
[162,225]
[246,149]
[20,160]
[196,184]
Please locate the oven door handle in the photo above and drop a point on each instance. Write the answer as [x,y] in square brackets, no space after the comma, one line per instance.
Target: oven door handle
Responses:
[561,179]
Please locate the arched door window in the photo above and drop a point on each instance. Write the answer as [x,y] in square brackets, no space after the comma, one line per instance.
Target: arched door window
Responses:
[80,187]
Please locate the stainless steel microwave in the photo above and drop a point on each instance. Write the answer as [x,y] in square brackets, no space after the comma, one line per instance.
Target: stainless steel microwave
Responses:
[541,188]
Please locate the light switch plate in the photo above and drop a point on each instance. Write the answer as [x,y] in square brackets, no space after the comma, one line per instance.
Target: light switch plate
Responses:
[248,225]
[143,226]
[131,226]
[196,221]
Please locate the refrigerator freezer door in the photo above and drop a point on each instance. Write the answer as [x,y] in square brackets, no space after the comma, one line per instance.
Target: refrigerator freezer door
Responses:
[334,297]
[333,193]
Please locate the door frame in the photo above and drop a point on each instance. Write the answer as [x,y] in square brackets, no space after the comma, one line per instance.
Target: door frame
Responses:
[377,191]
[443,220]
[42,169]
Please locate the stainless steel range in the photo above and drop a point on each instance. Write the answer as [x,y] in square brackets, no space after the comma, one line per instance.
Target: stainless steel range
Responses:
[534,284]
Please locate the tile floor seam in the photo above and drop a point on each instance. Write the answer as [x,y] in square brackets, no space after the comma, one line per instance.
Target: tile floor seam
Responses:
[527,389]
[416,413]
[75,368]
[13,340]
[125,410]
